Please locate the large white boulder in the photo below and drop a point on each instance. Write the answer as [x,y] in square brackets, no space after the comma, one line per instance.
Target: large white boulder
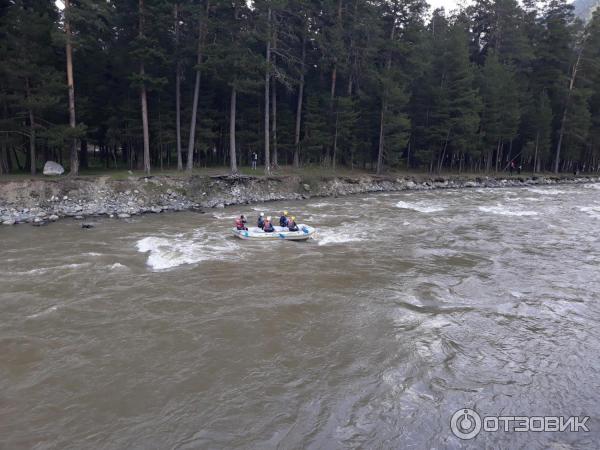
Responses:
[53,168]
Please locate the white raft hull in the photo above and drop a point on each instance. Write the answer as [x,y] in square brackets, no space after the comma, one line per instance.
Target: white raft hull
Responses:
[280,234]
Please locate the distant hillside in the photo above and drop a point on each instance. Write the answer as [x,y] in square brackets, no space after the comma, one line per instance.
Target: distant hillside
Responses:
[585,8]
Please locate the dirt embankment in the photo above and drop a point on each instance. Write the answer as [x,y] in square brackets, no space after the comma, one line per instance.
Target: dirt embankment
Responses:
[41,201]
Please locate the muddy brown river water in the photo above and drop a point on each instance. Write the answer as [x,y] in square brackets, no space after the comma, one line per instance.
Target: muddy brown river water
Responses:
[163,332]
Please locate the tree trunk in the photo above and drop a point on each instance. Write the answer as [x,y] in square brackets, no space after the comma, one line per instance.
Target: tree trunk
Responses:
[160,140]
[274,123]
[332,105]
[71,86]
[177,89]
[443,154]
[498,149]
[535,156]
[192,138]
[144,99]
[388,66]
[32,162]
[267,94]
[381,137]
[232,153]
[83,154]
[564,115]
[3,164]
[275,157]
[299,106]
[335,140]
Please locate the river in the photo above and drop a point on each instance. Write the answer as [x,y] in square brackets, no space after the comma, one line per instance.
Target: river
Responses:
[163,331]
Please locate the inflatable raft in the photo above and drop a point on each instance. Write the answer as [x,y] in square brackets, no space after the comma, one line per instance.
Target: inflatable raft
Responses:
[280,234]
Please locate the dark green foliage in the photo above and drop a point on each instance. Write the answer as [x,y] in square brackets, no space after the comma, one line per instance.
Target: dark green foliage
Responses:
[382,82]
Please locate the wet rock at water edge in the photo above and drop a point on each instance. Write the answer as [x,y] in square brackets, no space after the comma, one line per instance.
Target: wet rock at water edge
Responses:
[9,222]
[123,216]
[38,222]
[78,217]
[53,168]
[88,225]
[53,218]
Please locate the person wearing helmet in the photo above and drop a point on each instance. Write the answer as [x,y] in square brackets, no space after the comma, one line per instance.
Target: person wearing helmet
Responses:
[240,223]
[261,220]
[291,224]
[268,227]
[283,220]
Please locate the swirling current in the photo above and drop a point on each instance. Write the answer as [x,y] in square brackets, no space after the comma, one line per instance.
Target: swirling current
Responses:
[166,332]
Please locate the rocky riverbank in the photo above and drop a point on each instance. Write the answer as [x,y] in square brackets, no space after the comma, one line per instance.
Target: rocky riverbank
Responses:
[41,201]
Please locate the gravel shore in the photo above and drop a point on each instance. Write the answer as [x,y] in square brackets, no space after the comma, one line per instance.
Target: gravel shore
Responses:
[39,202]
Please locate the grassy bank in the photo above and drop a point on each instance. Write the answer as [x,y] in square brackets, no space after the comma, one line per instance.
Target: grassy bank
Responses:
[304,172]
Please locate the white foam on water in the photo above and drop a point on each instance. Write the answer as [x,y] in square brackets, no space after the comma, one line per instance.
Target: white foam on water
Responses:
[117,266]
[340,235]
[167,252]
[419,207]
[92,254]
[42,270]
[593,211]
[337,238]
[44,312]
[224,216]
[546,191]
[502,210]
[321,205]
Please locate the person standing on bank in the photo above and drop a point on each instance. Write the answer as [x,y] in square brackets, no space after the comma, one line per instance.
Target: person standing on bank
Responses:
[254,160]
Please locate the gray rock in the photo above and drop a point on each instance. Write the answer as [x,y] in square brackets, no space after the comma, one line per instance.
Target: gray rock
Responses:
[306,187]
[53,218]
[9,222]
[53,168]
[78,217]
[88,225]
[219,205]
[124,216]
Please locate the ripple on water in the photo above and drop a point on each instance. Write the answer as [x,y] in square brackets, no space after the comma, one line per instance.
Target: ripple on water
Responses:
[593,211]
[546,191]
[503,210]
[372,338]
[44,270]
[422,207]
